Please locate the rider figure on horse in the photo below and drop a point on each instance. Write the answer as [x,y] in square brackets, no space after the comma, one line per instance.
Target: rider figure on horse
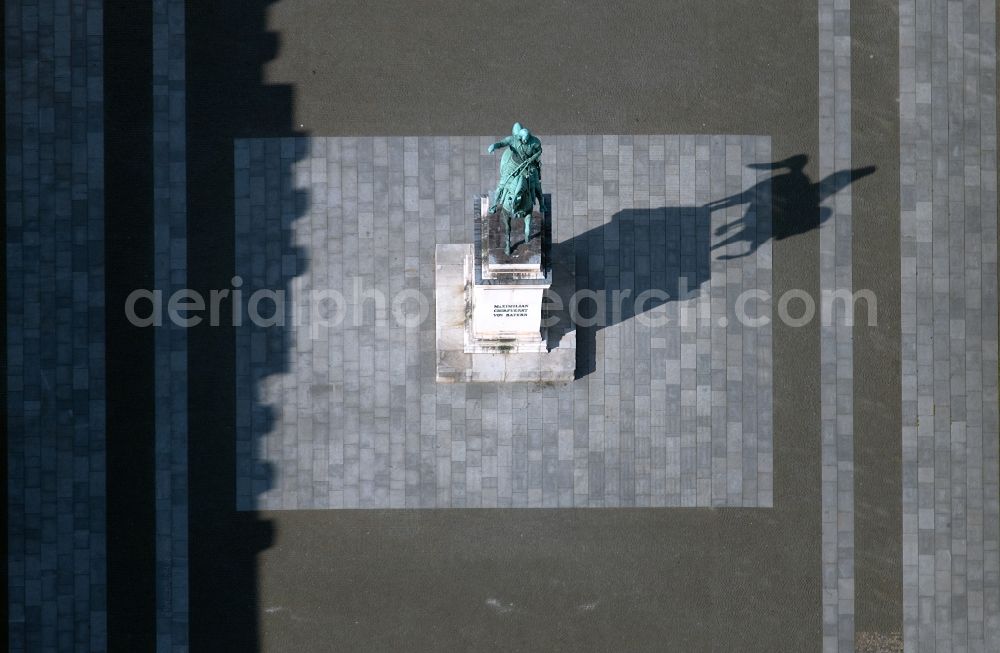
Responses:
[521,146]
[520,178]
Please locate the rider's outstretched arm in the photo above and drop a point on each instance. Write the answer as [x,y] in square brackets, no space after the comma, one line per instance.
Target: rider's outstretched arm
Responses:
[499,144]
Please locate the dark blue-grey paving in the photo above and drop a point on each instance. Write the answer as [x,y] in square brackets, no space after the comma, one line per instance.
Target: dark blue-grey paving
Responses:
[948,241]
[55,326]
[836,337]
[675,415]
[170,275]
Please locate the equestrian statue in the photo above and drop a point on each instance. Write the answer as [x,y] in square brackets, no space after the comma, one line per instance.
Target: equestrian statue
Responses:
[520,180]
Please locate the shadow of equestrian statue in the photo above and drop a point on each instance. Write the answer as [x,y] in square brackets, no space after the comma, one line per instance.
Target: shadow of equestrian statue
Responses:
[520,180]
[796,202]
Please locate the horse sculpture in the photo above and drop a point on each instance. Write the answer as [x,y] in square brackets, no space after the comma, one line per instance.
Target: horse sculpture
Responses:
[520,181]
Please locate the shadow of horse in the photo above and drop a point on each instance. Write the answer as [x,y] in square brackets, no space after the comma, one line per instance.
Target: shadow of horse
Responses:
[660,255]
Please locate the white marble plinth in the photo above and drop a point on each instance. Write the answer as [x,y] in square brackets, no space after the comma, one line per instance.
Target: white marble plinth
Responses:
[505,311]
[463,357]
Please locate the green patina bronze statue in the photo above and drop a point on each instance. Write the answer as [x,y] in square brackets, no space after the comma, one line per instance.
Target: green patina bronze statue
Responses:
[520,179]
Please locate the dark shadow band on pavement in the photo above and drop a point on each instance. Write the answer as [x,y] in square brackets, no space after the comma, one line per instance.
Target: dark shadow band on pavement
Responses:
[4,413]
[129,353]
[228,45]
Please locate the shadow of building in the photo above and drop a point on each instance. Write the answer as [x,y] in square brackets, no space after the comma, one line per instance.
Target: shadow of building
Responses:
[228,45]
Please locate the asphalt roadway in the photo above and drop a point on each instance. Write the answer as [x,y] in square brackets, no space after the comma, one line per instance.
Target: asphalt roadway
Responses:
[547,580]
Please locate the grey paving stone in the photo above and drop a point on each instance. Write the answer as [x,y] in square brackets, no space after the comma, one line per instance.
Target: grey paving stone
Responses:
[55,354]
[836,364]
[170,348]
[639,429]
[947,238]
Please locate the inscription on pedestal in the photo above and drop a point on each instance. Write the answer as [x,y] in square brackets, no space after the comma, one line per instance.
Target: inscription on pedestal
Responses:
[502,312]
[510,310]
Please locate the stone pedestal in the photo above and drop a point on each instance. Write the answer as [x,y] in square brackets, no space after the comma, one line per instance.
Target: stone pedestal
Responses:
[495,332]
[507,289]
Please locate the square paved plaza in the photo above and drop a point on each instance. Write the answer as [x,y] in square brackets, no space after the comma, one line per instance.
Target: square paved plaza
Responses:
[676,410]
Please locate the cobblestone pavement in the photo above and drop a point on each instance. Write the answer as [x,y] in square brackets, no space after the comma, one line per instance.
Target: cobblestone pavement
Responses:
[948,188]
[171,355]
[56,538]
[836,332]
[675,415]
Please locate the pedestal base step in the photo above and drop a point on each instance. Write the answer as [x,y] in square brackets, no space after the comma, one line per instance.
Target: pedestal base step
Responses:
[556,366]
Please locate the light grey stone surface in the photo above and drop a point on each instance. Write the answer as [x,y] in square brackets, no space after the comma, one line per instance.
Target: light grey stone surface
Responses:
[170,275]
[664,415]
[56,536]
[836,344]
[948,236]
